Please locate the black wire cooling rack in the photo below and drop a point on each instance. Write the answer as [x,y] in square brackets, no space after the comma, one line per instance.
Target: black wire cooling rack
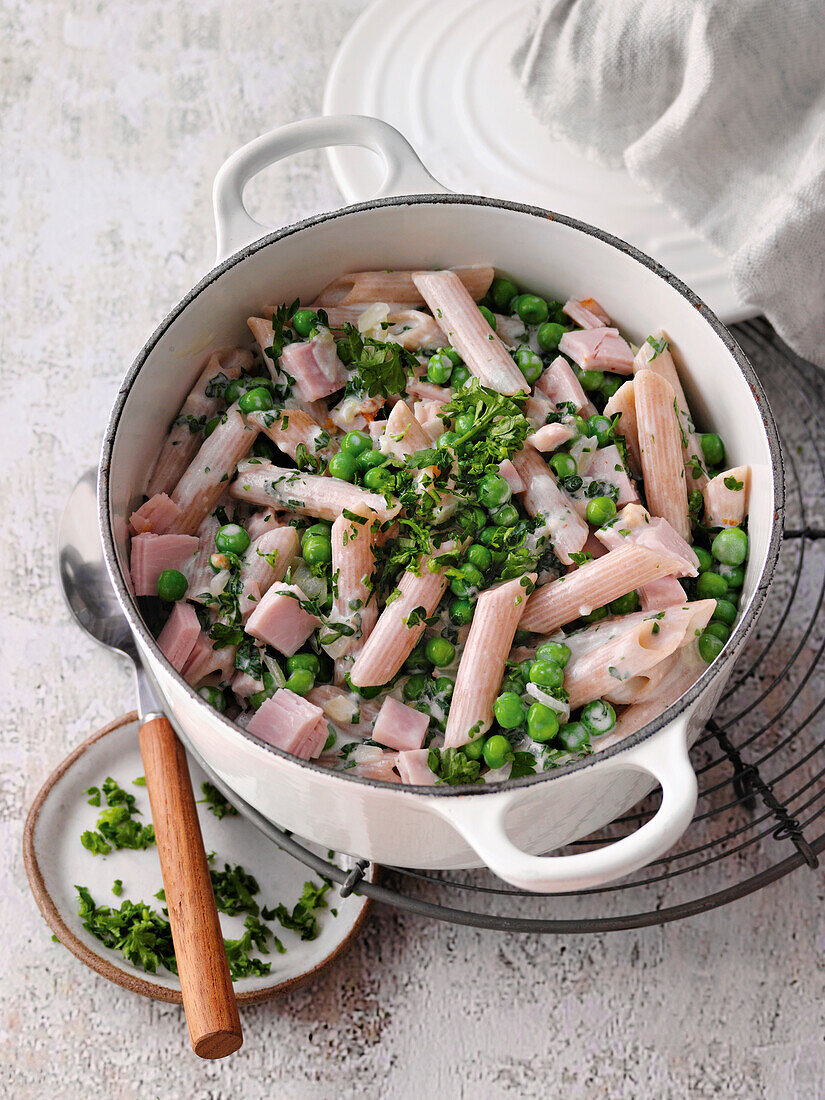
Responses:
[760,760]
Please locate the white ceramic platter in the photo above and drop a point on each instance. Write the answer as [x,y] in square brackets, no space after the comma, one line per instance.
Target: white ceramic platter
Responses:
[439,71]
[56,861]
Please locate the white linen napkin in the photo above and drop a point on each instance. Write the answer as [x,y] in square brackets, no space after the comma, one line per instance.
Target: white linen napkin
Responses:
[718,108]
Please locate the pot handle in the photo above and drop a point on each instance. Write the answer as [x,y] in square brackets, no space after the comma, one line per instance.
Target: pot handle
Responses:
[403,172]
[481,822]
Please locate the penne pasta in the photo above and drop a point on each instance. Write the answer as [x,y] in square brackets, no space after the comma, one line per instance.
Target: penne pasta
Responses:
[290,430]
[617,667]
[726,497]
[624,403]
[204,401]
[260,482]
[468,332]
[403,434]
[395,634]
[397,286]
[201,486]
[353,563]
[544,497]
[661,451]
[477,684]
[655,355]
[594,585]
[265,562]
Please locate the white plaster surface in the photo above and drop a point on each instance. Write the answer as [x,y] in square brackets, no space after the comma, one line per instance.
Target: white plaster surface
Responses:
[115,117]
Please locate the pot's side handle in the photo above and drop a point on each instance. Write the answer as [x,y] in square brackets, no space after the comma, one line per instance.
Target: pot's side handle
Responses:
[481,821]
[403,171]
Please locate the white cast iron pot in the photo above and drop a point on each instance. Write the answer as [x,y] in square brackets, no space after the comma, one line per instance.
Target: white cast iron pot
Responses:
[415,223]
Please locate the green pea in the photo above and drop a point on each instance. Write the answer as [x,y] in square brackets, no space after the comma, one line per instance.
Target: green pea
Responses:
[488,536]
[549,335]
[721,630]
[709,646]
[497,751]
[479,556]
[505,516]
[557,652]
[524,668]
[380,479]
[307,661]
[725,612]
[611,383]
[479,517]
[465,423]
[595,616]
[512,685]
[599,510]
[532,309]
[172,585]
[733,574]
[730,546]
[452,355]
[488,316]
[304,321]
[214,697]
[418,658]
[460,376]
[710,586]
[461,612]
[542,722]
[546,674]
[257,400]
[211,425]
[563,464]
[469,577]
[439,369]
[321,529]
[343,465]
[234,390]
[447,439]
[414,687]
[474,750]
[580,424]
[509,710]
[444,686]
[625,605]
[232,539]
[591,380]
[344,349]
[440,652]
[575,737]
[369,460]
[493,490]
[598,716]
[713,449]
[501,293]
[602,428]
[316,551]
[356,443]
[529,364]
[301,681]
[705,558]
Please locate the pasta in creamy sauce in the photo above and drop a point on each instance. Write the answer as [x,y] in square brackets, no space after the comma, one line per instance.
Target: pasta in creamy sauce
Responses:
[432,528]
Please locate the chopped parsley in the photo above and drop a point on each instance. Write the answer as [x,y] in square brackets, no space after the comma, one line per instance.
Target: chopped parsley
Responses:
[216,803]
[116,826]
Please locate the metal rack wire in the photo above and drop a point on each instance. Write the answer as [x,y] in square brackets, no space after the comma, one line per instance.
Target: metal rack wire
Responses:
[760,760]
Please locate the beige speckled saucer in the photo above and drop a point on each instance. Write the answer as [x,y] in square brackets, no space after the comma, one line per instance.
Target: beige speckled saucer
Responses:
[55,861]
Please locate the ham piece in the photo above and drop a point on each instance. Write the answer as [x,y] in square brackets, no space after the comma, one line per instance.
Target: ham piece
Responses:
[152,554]
[179,635]
[399,726]
[280,621]
[413,768]
[560,384]
[291,723]
[157,514]
[587,313]
[551,436]
[511,475]
[606,465]
[598,349]
[315,366]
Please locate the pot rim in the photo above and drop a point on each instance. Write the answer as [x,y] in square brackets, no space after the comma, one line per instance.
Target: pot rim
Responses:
[732,646]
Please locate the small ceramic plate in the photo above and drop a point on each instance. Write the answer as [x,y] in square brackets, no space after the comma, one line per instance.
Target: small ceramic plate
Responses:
[439,71]
[56,860]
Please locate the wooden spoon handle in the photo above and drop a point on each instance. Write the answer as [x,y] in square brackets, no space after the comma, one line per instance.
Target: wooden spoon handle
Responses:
[208,997]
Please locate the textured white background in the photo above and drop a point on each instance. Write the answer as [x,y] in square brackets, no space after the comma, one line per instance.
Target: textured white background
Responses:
[115,119]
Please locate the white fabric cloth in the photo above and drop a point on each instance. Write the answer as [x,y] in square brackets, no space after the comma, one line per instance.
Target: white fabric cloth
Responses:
[718,108]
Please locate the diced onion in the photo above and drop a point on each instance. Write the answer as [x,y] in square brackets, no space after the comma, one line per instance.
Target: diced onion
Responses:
[218,582]
[366,754]
[340,708]
[274,670]
[310,585]
[370,321]
[549,701]
[581,451]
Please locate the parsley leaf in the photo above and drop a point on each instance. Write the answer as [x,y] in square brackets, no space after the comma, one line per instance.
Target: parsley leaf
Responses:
[734,485]
[381,368]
